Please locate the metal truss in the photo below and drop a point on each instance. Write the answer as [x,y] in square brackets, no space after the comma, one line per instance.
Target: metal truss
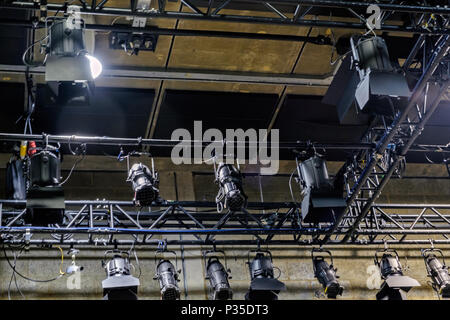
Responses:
[111,223]
[368,172]
[423,18]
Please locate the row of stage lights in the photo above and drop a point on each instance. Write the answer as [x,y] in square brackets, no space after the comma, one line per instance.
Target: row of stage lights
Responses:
[121,285]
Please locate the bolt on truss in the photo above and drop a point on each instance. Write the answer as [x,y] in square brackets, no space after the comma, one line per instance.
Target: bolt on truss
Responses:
[120,222]
[422,18]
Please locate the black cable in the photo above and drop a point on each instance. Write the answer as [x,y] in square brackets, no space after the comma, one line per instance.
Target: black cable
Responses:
[26,278]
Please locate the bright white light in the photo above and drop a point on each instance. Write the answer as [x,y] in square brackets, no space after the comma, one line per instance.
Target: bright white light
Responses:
[96,66]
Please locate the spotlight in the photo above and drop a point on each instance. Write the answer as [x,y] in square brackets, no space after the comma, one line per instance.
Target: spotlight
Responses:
[145,184]
[73,267]
[120,284]
[263,285]
[231,194]
[326,274]
[67,58]
[323,200]
[218,275]
[45,197]
[167,275]
[395,285]
[378,77]
[437,271]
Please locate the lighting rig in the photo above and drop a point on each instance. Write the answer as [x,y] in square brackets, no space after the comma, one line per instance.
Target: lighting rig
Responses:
[437,271]
[119,284]
[326,273]
[323,199]
[145,183]
[395,285]
[218,275]
[231,193]
[263,285]
[168,276]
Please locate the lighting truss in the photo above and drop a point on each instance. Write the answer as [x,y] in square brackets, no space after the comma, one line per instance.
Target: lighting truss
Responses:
[116,222]
[294,13]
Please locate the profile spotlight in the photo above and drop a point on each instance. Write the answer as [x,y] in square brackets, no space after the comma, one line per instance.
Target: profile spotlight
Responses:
[437,271]
[145,184]
[231,194]
[167,276]
[120,284]
[323,201]
[218,275]
[378,77]
[395,285]
[326,274]
[45,197]
[67,57]
[263,285]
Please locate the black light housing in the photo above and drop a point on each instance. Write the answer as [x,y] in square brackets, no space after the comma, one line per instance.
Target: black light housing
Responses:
[323,201]
[120,284]
[326,274]
[145,184]
[218,275]
[395,285]
[45,197]
[231,193]
[437,271]
[263,285]
[167,276]
[378,77]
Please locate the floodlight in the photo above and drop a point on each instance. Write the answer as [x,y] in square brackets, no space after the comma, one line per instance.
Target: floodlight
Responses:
[45,197]
[322,201]
[218,276]
[378,77]
[167,276]
[263,285]
[437,271]
[120,284]
[326,274]
[67,58]
[395,285]
[145,184]
[231,194]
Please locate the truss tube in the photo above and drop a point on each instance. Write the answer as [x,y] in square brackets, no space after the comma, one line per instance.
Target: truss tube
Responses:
[440,51]
[242,19]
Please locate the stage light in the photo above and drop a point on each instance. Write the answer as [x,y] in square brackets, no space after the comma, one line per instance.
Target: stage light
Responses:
[145,184]
[231,194]
[167,276]
[120,284]
[263,285]
[378,77]
[218,275]
[395,285]
[437,271]
[323,201]
[67,58]
[326,274]
[73,267]
[45,197]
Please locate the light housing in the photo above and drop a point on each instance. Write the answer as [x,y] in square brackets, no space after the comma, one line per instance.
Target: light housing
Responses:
[145,184]
[231,193]
[45,197]
[323,201]
[218,275]
[395,285]
[167,276]
[326,274]
[437,271]
[119,284]
[263,285]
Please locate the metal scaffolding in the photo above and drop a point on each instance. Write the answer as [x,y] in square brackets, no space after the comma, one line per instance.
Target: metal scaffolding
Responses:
[422,17]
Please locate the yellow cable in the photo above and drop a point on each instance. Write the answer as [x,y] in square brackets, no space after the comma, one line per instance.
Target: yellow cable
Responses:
[62,260]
